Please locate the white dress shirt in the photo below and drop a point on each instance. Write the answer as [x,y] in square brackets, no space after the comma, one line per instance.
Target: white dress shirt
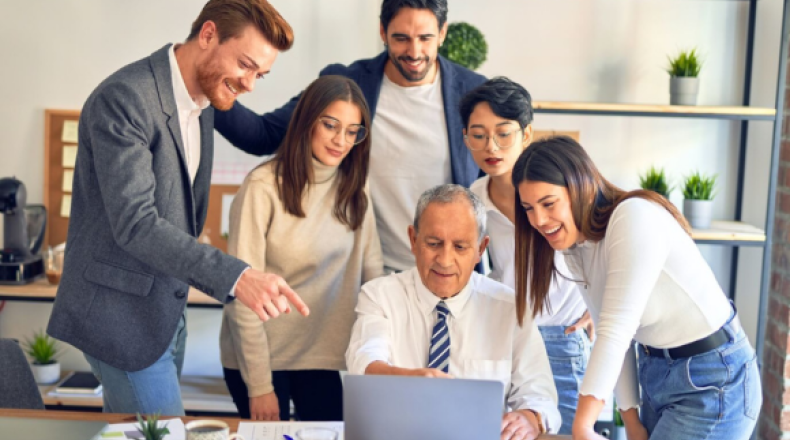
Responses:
[645,281]
[188,116]
[189,123]
[395,318]
[564,301]
[410,152]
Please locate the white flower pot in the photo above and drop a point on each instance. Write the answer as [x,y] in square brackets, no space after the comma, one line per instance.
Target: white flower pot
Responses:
[683,90]
[699,213]
[46,374]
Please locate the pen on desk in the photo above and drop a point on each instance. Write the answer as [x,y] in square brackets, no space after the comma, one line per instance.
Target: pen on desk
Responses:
[287,437]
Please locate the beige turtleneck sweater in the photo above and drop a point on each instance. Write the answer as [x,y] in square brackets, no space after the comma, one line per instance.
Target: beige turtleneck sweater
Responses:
[323,260]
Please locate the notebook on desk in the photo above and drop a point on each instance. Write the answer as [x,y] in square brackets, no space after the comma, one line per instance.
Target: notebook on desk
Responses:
[79,382]
[400,407]
[44,429]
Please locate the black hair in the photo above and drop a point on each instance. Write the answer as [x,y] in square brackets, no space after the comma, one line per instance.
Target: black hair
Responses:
[507,99]
[390,8]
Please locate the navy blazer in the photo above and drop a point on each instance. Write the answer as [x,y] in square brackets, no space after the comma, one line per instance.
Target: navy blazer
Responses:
[262,134]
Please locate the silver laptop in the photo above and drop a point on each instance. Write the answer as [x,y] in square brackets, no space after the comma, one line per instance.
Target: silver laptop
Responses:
[401,407]
[47,429]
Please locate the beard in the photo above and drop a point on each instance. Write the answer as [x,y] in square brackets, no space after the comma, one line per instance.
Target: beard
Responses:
[213,85]
[411,76]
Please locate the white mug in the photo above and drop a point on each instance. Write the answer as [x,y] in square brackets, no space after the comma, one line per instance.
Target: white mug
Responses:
[209,430]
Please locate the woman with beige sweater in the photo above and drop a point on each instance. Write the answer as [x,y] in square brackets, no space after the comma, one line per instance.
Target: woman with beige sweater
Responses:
[306,216]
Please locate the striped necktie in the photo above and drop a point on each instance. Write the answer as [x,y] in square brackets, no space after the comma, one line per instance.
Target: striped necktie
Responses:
[439,356]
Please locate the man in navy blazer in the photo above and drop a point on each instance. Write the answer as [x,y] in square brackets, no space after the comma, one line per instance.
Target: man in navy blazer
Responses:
[417,133]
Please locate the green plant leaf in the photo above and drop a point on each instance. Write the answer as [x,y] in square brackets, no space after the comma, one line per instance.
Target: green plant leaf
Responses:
[465,45]
[150,427]
[655,180]
[41,348]
[698,186]
[685,64]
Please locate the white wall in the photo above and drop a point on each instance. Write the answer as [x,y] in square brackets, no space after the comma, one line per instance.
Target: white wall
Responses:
[56,52]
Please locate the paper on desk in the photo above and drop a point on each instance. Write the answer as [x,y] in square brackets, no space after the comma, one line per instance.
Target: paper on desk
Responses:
[275,430]
[129,431]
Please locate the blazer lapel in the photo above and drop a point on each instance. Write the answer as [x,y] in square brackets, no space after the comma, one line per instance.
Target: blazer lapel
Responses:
[160,66]
[370,83]
[452,118]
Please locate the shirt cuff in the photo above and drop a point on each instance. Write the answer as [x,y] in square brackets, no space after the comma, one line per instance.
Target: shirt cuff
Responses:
[232,293]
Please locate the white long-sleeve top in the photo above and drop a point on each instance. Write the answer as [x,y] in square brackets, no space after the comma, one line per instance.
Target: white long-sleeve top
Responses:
[645,281]
[395,319]
[565,304]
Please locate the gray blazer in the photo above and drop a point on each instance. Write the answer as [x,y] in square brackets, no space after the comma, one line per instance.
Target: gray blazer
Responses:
[131,251]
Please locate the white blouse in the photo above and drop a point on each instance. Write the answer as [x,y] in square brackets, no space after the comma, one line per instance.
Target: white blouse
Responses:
[645,281]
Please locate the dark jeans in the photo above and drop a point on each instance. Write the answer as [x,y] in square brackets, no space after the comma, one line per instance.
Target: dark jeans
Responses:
[317,394]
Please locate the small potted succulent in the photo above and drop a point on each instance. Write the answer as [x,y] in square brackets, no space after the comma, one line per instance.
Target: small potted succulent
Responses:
[150,429]
[464,45]
[683,72]
[655,180]
[698,192]
[42,349]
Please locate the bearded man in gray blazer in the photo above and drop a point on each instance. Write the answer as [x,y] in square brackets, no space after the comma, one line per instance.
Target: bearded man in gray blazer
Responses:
[140,198]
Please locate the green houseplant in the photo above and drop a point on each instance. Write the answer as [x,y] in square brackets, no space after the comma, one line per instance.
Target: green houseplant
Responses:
[655,180]
[43,350]
[150,428]
[683,72]
[464,45]
[698,192]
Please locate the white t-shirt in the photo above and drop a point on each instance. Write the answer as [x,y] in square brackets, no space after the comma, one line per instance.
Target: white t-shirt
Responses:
[646,281]
[565,301]
[410,153]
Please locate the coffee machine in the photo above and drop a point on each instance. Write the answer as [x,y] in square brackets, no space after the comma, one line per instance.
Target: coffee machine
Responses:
[20,262]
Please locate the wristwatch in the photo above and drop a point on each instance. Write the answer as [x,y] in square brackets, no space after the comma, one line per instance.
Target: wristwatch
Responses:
[539,418]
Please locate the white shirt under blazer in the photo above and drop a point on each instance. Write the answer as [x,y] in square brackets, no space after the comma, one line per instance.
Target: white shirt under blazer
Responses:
[645,281]
[395,319]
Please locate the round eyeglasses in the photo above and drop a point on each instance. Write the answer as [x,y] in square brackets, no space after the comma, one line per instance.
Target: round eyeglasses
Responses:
[331,127]
[504,138]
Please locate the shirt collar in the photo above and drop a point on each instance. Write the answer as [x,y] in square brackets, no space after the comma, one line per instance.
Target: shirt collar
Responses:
[485,197]
[427,301]
[184,102]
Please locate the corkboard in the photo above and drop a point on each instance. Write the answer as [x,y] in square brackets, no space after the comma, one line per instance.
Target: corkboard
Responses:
[57,226]
[212,228]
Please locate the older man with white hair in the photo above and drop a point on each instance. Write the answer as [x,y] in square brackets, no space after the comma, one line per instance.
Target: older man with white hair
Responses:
[441,319]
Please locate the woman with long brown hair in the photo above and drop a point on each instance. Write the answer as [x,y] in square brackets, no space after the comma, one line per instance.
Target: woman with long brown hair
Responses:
[306,216]
[643,279]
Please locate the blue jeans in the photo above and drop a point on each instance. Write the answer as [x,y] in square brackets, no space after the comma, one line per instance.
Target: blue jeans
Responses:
[714,395]
[154,389]
[568,356]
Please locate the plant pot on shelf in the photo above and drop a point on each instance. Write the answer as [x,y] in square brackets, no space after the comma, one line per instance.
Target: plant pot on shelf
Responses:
[47,373]
[683,90]
[699,213]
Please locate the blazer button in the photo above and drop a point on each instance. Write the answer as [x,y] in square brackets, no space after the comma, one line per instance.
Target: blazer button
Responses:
[181,294]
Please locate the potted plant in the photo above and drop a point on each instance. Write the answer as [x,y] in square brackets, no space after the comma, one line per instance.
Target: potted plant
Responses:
[464,45]
[698,204]
[655,180]
[150,428]
[683,78]
[42,350]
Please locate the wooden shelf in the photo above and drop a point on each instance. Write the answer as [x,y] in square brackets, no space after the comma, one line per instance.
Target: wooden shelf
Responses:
[655,110]
[730,232]
[199,394]
[41,290]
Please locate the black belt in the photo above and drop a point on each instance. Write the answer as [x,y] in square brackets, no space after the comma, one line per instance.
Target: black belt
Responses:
[703,345]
